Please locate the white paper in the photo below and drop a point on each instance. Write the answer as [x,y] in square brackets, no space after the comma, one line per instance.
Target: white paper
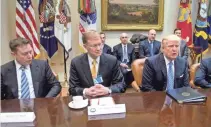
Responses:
[102,101]
[107,116]
[106,109]
[17,117]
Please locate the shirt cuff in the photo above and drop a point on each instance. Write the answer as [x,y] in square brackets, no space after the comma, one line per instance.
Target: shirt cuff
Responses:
[84,93]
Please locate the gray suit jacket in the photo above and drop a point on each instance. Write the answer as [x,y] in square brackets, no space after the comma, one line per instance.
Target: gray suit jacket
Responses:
[44,82]
[183,50]
[144,48]
[155,73]
[80,74]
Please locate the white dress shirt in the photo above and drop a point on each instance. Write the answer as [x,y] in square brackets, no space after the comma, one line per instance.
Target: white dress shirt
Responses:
[90,63]
[29,78]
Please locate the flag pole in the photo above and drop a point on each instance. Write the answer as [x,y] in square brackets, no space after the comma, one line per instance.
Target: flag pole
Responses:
[65,66]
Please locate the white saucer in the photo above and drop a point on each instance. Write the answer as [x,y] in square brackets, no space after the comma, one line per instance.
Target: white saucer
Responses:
[83,105]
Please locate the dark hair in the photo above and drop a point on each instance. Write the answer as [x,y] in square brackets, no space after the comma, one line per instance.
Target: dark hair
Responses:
[176,30]
[102,33]
[18,42]
[88,34]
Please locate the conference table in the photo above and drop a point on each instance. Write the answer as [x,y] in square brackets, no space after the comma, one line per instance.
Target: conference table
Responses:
[142,110]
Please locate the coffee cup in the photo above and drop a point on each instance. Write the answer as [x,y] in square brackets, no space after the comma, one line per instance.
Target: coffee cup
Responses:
[78,101]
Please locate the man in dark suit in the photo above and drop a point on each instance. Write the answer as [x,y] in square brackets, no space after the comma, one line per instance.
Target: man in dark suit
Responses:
[124,53]
[183,47]
[24,77]
[149,47]
[93,73]
[166,70]
[106,48]
[203,74]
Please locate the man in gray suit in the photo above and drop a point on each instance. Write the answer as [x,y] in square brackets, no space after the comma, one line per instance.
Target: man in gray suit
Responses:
[183,47]
[24,77]
[150,46]
[93,73]
[166,70]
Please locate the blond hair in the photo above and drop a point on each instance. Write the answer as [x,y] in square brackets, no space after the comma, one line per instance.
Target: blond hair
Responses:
[168,38]
[90,34]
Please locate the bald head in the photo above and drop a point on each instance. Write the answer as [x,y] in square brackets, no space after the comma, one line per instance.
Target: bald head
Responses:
[124,38]
[151,35]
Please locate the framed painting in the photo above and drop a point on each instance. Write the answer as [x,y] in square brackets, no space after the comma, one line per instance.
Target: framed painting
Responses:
[132,14]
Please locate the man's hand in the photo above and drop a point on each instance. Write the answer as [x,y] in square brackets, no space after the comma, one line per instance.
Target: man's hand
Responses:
[124,65]
[97,90]
[90,91]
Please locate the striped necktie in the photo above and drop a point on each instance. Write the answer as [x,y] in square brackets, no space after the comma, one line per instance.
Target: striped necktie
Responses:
[25,93]
[170,76]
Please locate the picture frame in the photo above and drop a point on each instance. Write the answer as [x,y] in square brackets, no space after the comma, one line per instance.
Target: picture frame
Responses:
[130,15]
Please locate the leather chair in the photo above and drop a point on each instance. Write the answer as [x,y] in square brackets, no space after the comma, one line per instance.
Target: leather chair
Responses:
[193,70]
[137,70]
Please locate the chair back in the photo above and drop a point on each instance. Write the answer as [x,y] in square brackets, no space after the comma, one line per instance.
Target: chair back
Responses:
[137,70]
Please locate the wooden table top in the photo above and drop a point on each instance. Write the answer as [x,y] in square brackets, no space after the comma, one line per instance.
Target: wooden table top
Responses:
[142,109]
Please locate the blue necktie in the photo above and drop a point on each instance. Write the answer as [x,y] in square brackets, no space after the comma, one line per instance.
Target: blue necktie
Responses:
[170,77]
[24,85]
[151,49]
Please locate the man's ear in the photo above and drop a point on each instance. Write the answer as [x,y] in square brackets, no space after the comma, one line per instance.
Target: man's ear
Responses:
[13,53]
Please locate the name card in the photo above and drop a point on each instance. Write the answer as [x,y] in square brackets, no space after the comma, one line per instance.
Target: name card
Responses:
[17,117]
[106,109]
[107,116]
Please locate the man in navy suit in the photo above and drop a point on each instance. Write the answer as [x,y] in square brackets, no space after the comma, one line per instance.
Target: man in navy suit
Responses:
[183,47]
[93,73]
[124,54]
[106,48]
[149,47]
[166,70]
[25,77]
[203,74]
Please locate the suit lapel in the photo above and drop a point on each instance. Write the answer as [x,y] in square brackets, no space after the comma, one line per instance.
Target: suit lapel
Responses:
[102,66]
[14,81]
[86,69]
[163,68]
[34,73]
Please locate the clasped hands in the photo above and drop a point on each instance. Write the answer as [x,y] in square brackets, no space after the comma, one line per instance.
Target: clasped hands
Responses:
[96,90]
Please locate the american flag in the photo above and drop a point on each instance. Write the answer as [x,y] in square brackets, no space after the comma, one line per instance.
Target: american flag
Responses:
[25,23]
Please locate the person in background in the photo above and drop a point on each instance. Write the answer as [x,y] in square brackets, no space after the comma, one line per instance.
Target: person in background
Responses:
[106,48]
[166,70]
[183,47]
[203,74]
[25,77]
[95,73]
[124,53]
[150,46]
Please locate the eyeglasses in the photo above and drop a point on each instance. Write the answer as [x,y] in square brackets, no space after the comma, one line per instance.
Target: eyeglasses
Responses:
[96,45]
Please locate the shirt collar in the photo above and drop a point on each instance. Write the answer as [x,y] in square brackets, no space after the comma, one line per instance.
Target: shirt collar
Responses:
[91,59]
[18,66]
[167,61]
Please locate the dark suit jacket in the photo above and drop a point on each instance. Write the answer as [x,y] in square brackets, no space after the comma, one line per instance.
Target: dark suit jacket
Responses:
[117,51]
[107,49]
[144,48]
[203,74]
[155,73]
[44,82]
[80,74]
[183,50]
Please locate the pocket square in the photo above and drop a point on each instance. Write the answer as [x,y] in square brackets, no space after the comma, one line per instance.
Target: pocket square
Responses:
[181,75]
